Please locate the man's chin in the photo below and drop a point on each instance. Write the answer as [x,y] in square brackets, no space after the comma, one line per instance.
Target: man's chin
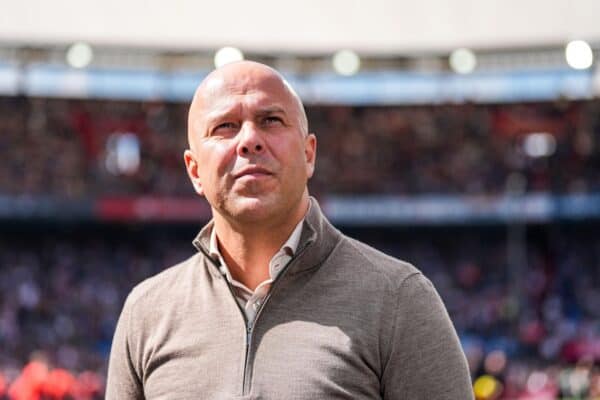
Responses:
[253,208]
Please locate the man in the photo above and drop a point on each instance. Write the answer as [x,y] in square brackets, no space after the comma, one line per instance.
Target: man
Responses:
[277,304]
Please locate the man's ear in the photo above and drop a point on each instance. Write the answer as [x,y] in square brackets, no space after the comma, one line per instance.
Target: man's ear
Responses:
[191,165]
[310,153]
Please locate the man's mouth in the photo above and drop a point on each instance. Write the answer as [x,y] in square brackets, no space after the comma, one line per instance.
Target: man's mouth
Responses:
[252,171]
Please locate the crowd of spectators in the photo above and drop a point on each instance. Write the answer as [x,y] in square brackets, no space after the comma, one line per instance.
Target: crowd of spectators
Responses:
[63,148]
[530,325]
[523,327]
[60,297]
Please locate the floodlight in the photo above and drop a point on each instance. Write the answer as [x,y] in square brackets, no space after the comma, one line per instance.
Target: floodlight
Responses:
[227,55]
[579,54]
[79,55]
[463,61]
[346,62]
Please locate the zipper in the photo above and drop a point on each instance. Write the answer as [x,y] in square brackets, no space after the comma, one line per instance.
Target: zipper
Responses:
[247,358]
[239,307]
[250,326]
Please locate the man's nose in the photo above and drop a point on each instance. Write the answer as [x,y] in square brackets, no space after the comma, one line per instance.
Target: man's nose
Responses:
[251,140]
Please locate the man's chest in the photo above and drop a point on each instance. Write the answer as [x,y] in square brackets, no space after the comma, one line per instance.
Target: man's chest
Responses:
[295,358]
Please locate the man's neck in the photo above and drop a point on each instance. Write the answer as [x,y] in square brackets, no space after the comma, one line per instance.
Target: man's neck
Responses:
[247,250]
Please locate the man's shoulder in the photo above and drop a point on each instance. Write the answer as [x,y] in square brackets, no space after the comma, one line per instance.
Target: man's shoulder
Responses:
[370,261]
[167,282]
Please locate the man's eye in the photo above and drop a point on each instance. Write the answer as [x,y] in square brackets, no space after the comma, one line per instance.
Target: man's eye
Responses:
[225,126]
[272,120]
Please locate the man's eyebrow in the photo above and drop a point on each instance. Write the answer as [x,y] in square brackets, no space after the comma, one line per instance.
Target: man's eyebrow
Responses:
[271,110]
[226,112]
[218,114]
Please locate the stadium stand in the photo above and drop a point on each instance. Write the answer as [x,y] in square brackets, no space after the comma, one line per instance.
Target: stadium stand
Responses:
[446,149]
[529,327]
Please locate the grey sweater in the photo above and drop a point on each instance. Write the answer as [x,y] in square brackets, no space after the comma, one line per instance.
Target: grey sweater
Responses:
[342,321]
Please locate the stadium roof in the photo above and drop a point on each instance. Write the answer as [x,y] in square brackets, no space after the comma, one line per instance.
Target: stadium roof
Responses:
[307,26]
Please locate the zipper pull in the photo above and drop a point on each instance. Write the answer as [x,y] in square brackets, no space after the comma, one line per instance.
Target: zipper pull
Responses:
[248,335]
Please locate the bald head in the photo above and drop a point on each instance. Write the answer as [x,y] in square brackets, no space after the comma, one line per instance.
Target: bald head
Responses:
[240,78]
[250,151]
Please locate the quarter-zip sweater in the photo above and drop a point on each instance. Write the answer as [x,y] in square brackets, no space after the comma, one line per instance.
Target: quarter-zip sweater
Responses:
[341,321]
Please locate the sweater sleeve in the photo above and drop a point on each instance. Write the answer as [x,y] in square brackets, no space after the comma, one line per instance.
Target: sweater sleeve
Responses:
[426,360]
[123,383]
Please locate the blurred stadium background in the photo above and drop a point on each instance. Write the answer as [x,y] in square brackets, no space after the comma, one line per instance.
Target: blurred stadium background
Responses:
[461,136]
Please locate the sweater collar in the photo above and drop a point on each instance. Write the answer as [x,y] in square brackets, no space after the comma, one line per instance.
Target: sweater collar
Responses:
[317,240]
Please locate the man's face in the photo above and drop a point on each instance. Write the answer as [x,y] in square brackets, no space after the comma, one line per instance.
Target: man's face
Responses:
[249,154]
